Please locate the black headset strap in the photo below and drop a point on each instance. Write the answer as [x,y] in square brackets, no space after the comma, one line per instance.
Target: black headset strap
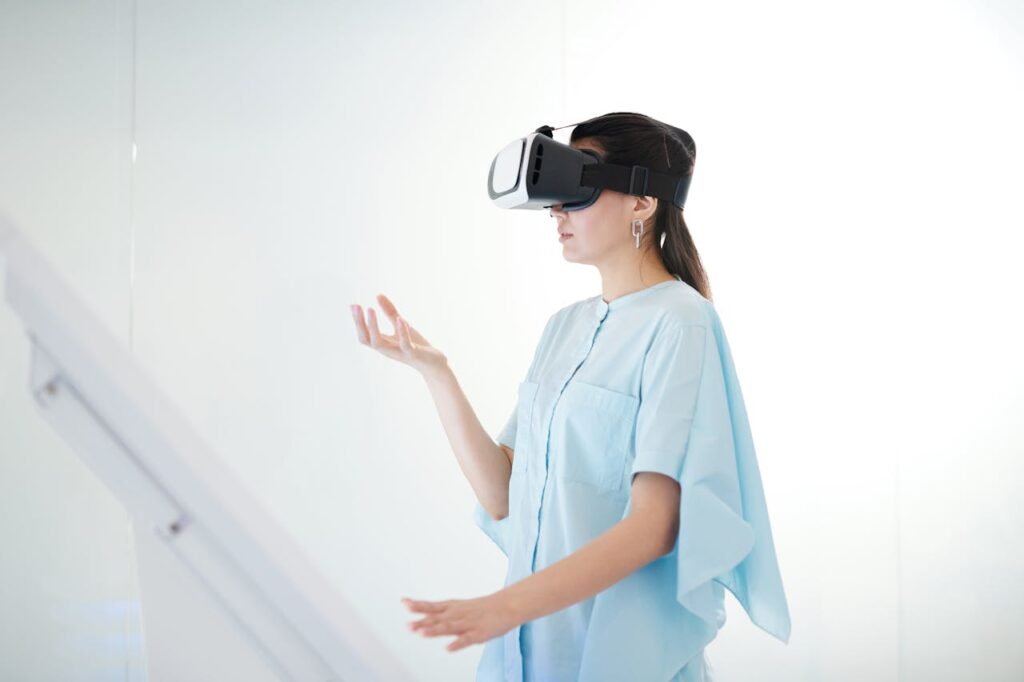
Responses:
[638,181]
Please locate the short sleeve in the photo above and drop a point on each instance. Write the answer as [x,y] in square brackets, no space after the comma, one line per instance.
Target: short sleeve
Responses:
[507,435]
[692,426]
[495,530]
[669,387]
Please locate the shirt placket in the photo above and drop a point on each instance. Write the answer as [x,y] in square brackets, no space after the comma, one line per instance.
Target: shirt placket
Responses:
[538,476]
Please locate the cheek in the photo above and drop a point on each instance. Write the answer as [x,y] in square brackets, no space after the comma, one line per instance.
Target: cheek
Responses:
[597,233]
[592,225]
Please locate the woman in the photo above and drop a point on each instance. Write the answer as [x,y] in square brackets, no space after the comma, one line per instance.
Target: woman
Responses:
[624,487]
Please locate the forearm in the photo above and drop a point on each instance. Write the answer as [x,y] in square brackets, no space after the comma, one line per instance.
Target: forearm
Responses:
[625,547]
[481,459]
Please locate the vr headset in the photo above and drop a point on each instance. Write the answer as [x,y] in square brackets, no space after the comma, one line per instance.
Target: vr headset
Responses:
[538,172]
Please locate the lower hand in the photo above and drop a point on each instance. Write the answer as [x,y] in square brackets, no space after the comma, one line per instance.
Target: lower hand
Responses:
[473,621]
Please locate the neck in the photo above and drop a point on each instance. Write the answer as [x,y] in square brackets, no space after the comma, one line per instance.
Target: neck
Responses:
[620,282]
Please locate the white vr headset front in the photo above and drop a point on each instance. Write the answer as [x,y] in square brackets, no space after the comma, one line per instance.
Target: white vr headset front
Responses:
[538,172]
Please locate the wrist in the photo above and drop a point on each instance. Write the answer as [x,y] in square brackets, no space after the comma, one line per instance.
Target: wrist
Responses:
[513,604]
[437,372]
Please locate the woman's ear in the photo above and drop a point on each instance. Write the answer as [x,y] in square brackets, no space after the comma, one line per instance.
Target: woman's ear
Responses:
[644,207]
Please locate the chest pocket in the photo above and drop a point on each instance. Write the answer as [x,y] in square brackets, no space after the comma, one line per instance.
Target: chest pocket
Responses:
[526,435]
[592,428]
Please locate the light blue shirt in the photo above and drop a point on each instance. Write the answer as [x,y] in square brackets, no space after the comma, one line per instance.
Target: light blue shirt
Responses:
[643,383]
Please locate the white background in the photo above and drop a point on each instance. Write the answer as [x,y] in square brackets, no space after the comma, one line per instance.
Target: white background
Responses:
[856,202]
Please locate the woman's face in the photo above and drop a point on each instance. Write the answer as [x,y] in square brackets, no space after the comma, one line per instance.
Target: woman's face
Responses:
[599,230]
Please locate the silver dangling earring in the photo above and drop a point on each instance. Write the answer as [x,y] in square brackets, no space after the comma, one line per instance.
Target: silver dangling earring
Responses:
[636,234]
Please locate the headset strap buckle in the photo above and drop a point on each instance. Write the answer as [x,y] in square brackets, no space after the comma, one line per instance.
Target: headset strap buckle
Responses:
[638,181]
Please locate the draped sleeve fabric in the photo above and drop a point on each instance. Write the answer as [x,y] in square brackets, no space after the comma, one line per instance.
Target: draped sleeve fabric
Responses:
[692,426]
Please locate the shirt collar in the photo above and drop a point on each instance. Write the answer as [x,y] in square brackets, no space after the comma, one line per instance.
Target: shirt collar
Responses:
[601,307]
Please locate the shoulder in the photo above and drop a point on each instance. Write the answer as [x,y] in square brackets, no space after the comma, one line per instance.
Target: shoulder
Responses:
[679,306]
[567,313]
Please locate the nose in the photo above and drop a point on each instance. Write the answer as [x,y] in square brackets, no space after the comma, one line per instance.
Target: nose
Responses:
[556,211]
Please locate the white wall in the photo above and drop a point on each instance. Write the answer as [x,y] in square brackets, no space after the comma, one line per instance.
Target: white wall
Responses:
[854,203]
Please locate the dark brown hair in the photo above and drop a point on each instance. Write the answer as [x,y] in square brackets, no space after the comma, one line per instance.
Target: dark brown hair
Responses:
[634,139]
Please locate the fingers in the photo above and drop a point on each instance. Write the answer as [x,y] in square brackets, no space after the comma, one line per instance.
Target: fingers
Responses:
[403,334]
[379,338]
[389,309]
[443,624]
[361,332]
[387,306]
[437,624]
[443,621]
[439,629]
[424,606]
[462,642]
[370,334]
[425,622]
[430,625]
[366,335]
[374,330]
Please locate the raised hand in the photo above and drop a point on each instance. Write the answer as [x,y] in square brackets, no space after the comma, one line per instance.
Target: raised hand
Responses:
[406,345]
